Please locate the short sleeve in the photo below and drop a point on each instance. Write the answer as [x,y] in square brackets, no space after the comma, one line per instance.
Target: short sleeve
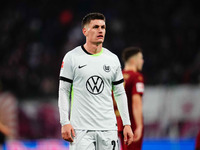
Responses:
[138,87]
[118,74]
[66,71]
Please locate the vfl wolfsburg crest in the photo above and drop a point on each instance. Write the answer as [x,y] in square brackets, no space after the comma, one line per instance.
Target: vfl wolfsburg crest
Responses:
[106,68]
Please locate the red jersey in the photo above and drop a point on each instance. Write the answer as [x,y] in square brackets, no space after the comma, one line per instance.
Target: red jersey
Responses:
[134,84]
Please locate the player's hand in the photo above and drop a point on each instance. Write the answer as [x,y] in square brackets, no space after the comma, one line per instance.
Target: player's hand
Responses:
[67,132]
[128,135]
[137,134]
[5,130]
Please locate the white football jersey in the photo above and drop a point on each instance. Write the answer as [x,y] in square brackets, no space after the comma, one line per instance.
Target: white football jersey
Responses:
[92,78]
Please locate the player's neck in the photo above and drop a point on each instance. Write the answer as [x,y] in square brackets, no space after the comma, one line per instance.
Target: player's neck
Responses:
[93,48]
[130,68]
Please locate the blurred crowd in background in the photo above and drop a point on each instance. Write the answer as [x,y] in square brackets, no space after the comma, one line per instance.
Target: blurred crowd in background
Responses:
[35,35]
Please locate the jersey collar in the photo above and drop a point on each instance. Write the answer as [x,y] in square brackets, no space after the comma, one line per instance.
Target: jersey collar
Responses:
[83,48]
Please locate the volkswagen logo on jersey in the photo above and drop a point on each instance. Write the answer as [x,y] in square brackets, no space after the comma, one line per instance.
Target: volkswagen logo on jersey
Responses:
[95,85]
[106,68]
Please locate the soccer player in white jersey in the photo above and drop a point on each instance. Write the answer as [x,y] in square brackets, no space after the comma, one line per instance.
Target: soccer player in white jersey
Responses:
[88,75]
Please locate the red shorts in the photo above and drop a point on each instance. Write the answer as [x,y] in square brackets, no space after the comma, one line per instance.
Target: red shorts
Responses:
[198,141]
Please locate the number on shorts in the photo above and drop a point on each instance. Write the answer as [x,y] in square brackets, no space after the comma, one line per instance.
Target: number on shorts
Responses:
[114,144]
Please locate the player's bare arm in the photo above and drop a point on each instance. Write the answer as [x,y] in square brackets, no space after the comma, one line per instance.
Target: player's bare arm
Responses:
[137,113]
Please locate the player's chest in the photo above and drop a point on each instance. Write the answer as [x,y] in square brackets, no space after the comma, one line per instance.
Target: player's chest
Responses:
[86,68]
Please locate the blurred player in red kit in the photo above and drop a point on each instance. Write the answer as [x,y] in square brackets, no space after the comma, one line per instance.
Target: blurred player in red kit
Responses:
[134,86]
[197,147]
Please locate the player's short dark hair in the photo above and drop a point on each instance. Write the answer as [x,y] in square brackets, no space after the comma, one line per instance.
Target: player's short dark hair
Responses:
[92,16]
[129,52]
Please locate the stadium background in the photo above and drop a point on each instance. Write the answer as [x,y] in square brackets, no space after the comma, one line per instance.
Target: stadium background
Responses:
[35,35]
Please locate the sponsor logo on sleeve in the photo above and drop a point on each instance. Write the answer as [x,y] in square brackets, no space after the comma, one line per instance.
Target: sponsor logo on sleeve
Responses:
[140,87]
[62,65]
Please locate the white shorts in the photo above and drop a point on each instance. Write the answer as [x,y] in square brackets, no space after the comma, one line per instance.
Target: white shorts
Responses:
[95,140]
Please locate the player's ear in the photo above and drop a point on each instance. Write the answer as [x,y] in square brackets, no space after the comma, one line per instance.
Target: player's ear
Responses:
[84,30]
